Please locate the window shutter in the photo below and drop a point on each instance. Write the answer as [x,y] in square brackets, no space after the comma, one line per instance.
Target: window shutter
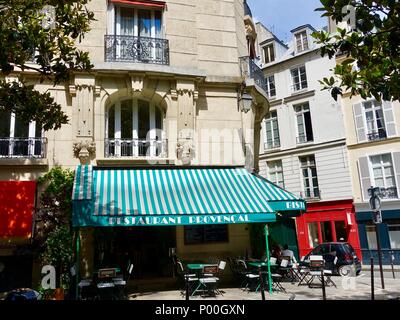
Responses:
[364,176]
[389,119]
[396,164]
[359,122]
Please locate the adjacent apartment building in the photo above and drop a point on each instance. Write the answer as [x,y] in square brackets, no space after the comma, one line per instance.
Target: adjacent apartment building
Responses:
[373,143]
[304,139]
[167,90]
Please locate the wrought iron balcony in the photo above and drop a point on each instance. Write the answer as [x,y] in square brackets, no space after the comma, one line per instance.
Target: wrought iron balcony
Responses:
[136,49]
[23,147]
[377,135]
[389,193]
[250,70]
[135,148]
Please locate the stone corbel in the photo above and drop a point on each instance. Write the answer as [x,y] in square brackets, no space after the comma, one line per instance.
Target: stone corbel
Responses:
[84,151]
[137,83]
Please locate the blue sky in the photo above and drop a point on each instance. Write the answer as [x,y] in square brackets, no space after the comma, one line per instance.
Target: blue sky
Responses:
[281,16]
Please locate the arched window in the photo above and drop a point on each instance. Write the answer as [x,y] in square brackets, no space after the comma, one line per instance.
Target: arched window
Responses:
[19,138]
[134,128]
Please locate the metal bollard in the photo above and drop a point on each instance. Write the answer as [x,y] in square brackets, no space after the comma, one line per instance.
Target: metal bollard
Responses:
[392,263]
[323,285]
[261,284]
[372,279]
[187,288]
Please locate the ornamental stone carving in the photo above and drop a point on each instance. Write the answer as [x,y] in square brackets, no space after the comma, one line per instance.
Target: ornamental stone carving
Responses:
[84,151]
[185,152]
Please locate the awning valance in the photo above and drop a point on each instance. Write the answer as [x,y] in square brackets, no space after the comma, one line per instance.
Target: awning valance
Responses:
[149,4]
[176,197]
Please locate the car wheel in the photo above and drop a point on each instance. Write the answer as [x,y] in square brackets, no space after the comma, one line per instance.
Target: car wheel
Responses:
[346,271]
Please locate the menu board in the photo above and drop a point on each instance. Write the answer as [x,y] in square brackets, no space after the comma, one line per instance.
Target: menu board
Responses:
[206,234]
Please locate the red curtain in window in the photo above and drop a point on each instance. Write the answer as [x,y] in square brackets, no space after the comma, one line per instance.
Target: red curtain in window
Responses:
[17,199]
[151,4]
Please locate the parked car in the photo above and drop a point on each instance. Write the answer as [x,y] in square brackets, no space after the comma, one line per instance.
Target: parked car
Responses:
[347,262]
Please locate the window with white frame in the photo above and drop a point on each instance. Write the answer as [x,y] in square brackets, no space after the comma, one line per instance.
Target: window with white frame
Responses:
[299,78]
[310,177]
[138,22]
[269,53]
[19,138]
[301,41]
[375,120]
[304,124]
[383,175]
[272,131]
[135,34]
[270,86]
[275,173]
[134,128]
[394,233]
[371,237]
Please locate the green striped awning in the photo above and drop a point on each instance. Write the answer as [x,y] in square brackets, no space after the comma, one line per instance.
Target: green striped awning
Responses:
[128,197]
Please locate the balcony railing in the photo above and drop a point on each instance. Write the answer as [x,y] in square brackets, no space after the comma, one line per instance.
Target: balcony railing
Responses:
[377,135]
[116,148]
[250,70]
[136,49]
[23,147]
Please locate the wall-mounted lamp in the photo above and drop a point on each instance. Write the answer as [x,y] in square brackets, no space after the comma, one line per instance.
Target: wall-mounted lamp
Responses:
[246,102]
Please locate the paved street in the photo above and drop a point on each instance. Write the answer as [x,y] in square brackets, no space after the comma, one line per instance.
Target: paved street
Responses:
[355,289]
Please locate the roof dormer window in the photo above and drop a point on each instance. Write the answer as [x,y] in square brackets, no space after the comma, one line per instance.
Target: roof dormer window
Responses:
[269,53]
[301,41]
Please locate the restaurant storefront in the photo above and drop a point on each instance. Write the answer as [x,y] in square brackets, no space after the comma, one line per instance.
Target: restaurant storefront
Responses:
[199,206]
[329,221]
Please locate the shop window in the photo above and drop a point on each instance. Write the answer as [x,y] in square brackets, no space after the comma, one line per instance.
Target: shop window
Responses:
[206,234]
[341,233]
[394,234]
[313,234]
[371,237]
[326,231]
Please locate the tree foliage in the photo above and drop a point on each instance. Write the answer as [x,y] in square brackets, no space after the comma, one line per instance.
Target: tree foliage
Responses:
[44,42]
[369,47]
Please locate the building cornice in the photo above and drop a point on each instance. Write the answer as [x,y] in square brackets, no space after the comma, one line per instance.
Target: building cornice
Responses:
[369,144]
[302,149]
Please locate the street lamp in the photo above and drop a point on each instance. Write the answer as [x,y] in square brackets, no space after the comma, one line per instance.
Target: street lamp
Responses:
[375,205]
[246,101]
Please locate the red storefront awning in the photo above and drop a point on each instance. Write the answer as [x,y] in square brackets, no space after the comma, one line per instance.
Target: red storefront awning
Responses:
[151,4]
[17,199]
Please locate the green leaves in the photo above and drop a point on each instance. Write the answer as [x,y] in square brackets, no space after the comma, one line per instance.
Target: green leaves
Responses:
[54,50]
[372,48]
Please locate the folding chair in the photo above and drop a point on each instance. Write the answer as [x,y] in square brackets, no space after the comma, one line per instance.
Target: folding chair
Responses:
[251,280]
[208,283]
[188,279]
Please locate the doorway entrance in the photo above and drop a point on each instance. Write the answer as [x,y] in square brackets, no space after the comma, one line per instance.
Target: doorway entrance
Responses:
[147,248]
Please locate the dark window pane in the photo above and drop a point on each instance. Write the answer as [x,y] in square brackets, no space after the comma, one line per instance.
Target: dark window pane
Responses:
[206,234]
[126,119]
[5,119]
[111,122]
[144,119]
[309,132]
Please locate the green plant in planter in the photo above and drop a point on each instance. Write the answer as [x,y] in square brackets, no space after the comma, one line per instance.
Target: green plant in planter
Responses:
[59,253]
